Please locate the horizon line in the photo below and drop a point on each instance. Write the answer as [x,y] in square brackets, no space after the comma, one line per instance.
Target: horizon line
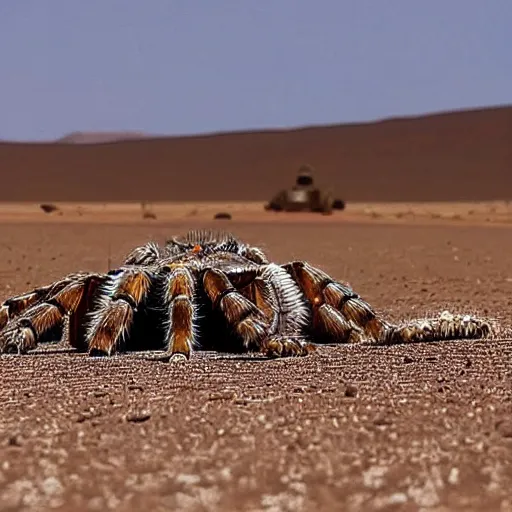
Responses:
[138,135]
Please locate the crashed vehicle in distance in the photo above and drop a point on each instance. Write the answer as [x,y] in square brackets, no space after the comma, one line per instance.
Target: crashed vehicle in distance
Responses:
[305,197]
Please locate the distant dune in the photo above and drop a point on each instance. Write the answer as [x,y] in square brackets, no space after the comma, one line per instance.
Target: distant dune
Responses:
[463,155]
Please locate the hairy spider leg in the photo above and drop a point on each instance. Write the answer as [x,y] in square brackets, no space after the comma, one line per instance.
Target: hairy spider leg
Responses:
[377,330]
[275,293]
[329,298]
[46,313]
[339,314]
[15,306]
[267,317]
[112,315]
[247,320]
[255,255]
[147,254]
[444,327]
[178,290]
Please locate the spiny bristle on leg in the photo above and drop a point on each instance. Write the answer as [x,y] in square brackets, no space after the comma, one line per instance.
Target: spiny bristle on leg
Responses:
[119,297]
[446,326]
[40,315]
[18,339]
[286,346]
[147,254]
[179,287]
[338,313]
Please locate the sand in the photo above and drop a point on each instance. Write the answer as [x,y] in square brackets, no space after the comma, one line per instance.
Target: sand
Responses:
[402,428]
[482,213]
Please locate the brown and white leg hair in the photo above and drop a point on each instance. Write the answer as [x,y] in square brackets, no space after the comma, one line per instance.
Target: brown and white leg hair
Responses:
[178,290]
[40,315]
[340,313]
[147,254]
[262,309]
[17,305]
[289,310]
[446,326]
[117,302]
[240,312]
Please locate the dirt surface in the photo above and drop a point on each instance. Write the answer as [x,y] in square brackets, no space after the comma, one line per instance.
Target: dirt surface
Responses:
[420,427]
[456,156]
[483,213]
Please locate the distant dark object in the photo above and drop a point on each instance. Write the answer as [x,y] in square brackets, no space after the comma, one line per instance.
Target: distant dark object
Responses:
[148,214]
[338,204]
[223,215]
[48,207]
[304,196]
[305,176]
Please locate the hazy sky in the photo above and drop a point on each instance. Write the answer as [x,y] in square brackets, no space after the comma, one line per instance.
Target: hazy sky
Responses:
[188,66]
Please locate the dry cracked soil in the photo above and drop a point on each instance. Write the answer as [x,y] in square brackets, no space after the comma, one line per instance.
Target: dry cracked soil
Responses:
[418,427]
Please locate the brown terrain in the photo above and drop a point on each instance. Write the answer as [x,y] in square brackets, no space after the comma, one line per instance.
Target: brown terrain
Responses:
[417,427]
[458,156]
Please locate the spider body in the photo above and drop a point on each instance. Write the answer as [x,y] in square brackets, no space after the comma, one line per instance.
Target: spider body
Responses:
[208,290]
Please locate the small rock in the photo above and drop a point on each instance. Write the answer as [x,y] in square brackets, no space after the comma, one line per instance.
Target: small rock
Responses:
[138,417]
[135,387]
[148,214]
[48,207]
[351,391]
[80,418]
[15,440]
[504,427]
[453,477]
[223,215]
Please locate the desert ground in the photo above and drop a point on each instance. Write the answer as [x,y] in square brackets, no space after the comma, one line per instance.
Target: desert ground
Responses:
[428,227]
[418,427]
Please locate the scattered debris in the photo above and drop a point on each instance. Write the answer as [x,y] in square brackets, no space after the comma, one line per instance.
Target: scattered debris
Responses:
[138,416]
[135,387]
[338,204]
[49,207]
[14,440]
[147,213]
[223,215]
[351,391]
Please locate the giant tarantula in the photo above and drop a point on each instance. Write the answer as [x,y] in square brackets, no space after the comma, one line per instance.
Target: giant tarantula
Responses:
[210,291]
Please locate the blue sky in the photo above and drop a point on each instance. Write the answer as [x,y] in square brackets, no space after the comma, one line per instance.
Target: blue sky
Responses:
[192,66]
